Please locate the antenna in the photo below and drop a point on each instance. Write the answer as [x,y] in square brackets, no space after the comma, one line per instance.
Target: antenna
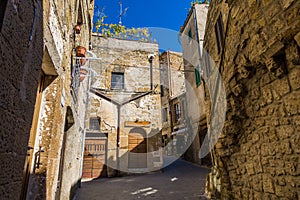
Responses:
[122,12]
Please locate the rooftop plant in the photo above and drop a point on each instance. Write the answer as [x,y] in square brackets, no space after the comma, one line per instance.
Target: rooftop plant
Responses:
[121,31]
[200,2]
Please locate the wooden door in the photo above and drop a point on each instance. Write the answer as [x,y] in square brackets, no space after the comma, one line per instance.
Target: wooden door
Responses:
[94,162]
[29,165]
[137,147]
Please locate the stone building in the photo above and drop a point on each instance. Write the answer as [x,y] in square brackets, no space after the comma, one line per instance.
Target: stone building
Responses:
[255,46]
[192,33]
[42,105]
[21,50]
[125,108]
[174,134]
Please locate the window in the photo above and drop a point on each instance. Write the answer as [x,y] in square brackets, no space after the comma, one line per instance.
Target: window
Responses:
[162,92]
[165,114]
[219,30]
[117,80]
[177,112]
[190,34]
[95,124]
[197,76]
[79,17]
[3,4]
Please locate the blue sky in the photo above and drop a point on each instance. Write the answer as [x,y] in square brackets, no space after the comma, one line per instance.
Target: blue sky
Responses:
[165,16]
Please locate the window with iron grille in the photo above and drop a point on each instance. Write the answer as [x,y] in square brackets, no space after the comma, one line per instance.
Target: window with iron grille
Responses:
[94,124]
[220,35]
[117,80]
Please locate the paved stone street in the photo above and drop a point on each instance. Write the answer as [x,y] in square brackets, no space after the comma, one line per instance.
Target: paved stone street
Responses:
[180,180]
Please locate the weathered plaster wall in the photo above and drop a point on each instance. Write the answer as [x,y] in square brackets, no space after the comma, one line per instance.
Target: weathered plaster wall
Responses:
[192,51]
[257,156]
[130,58]
[74,144]
[21,51]
[173,82]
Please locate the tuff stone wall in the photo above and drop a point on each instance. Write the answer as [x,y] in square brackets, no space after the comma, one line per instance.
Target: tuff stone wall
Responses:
[257,155]
[21,51]
[37,41]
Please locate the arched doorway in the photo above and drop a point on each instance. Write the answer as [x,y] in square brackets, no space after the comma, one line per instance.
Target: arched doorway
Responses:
[137,148]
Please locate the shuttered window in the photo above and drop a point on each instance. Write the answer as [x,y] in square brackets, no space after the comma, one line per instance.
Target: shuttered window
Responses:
[197,76]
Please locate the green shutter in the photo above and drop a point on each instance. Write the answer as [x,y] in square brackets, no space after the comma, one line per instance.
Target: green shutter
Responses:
[197,76]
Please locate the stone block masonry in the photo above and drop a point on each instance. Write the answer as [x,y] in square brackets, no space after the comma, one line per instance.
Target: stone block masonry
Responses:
[35,59]
[257,156]
[21,51]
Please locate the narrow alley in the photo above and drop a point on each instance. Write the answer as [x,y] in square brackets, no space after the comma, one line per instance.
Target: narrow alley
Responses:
[179,180]
[171,100]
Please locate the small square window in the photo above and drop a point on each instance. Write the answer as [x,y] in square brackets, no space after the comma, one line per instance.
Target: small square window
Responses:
[117,81]
[94,124]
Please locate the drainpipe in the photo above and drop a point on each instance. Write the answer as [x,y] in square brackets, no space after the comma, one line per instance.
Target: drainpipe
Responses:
[118,138]
[86,111]
[169,74]
[197,38]
[150,59]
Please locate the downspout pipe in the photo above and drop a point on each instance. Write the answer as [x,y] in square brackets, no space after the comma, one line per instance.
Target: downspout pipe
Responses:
[91,73]
[118,139]
[199,54]
[150,59]
[169,75]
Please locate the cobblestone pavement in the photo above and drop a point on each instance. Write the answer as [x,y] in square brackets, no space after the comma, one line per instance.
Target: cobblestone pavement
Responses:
[180,180]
